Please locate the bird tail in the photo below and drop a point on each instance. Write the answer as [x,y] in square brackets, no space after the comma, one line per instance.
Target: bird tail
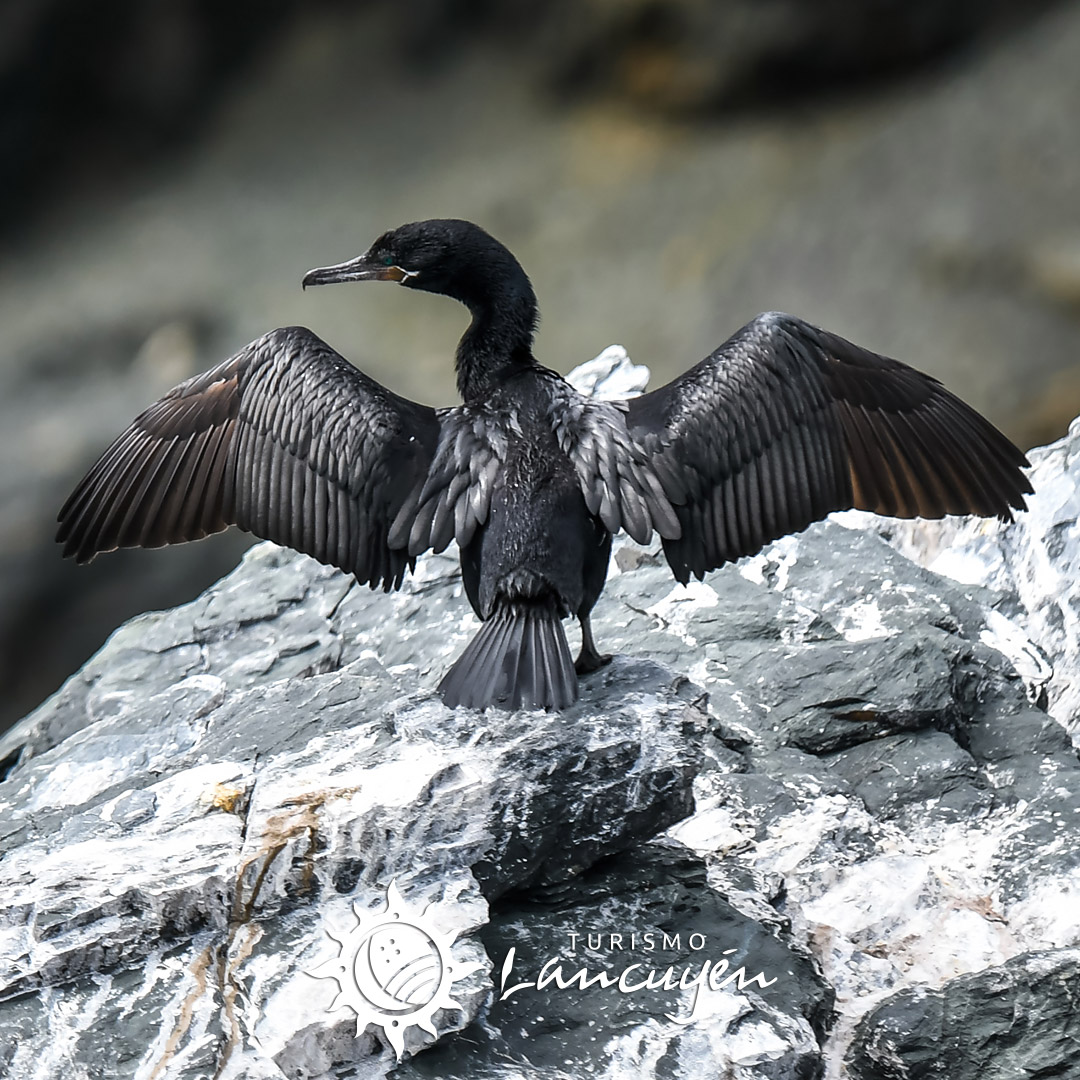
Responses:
[520,659]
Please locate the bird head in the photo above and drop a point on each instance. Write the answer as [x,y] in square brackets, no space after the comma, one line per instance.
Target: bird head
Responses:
[448,256]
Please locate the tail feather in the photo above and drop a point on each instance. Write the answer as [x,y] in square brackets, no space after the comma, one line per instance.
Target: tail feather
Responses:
[520,659]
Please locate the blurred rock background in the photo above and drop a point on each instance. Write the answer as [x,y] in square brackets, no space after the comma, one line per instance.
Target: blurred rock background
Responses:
[905,172]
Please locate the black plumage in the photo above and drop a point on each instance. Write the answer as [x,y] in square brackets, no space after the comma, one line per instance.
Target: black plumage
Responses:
[783,424]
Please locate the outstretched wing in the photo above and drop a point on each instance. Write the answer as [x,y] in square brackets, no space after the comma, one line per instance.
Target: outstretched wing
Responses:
[286,440]
[785,423]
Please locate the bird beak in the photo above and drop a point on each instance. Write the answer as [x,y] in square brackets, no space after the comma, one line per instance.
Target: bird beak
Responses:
[358,269]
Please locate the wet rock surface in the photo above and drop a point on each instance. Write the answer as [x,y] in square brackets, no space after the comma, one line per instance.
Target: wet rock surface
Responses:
[773,1029]
[1033,563]
[1019,1019]
[828,759]
[222,786]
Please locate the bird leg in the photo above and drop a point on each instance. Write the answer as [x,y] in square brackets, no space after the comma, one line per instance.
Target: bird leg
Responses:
[589,660]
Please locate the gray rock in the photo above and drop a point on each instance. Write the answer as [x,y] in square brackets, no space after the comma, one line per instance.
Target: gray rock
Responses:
[828,759]
[890,773]
[222,780]
[767,1031]
[1016,1020]
[1033,565]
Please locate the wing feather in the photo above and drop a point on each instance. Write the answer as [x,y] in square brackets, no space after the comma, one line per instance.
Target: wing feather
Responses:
[286,440]
[614,472]
[785,423]
[467,469]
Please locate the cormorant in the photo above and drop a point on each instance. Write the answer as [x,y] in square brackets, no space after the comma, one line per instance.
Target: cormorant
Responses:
[779,426]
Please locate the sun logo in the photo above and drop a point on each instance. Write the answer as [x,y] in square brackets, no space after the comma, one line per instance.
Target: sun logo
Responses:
[395,970]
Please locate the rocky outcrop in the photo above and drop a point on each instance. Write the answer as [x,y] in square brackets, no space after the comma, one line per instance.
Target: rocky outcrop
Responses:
[215,791]
[814,820]
[1019,1019]
[1033,565]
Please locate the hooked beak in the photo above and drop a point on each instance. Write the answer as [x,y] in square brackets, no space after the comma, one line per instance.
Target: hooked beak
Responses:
[358,269]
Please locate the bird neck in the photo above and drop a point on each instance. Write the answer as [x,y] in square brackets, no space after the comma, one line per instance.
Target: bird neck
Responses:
[498,342]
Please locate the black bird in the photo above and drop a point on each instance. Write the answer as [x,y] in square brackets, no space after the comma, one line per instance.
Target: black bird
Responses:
[781,425]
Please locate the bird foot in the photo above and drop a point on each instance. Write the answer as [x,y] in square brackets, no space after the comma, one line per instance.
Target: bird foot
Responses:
[587,663]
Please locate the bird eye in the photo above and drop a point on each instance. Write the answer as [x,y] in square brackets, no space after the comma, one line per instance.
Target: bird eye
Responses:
[388,260]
